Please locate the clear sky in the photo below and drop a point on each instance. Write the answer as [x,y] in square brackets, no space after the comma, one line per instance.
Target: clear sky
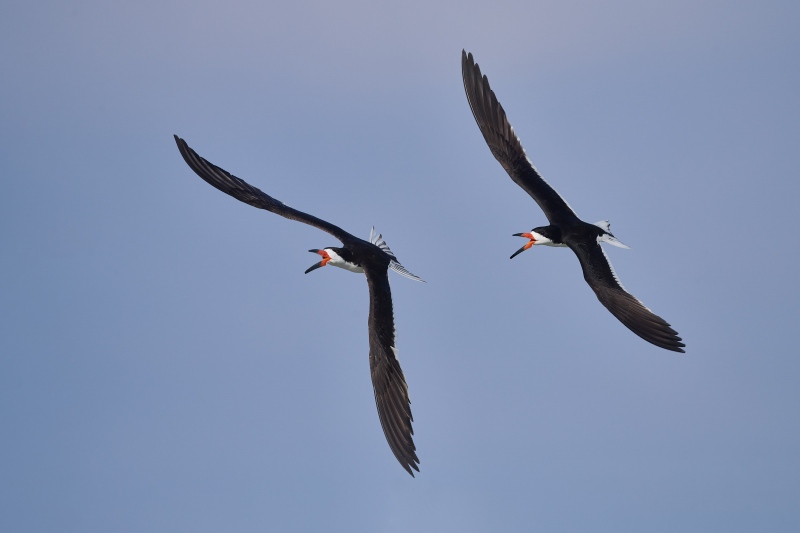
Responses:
[165,365]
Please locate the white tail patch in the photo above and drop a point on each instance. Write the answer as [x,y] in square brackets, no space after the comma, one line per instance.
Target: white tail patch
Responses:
[377,239]
[605,225]
[400,269]
[610,239]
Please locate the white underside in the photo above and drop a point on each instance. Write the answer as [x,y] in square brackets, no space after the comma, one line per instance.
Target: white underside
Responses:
[541,240]
[337,261]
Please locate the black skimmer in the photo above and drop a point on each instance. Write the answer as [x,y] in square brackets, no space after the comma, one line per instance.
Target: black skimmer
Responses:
[374,259]
[565,228]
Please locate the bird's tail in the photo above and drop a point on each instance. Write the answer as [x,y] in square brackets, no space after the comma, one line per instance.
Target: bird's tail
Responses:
[608,237]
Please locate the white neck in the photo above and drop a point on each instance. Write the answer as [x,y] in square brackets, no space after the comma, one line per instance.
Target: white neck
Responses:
[337,261]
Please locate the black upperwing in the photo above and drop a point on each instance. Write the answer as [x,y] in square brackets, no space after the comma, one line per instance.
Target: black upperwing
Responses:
[600,275]
[388,381]
[505,145]
[244,192]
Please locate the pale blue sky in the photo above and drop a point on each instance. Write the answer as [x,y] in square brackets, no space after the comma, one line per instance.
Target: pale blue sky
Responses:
[166,366]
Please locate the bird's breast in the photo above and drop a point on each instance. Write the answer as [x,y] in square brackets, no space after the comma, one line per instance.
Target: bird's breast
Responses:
[338,261]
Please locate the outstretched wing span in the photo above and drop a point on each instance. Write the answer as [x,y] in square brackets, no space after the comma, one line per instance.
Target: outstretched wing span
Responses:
[244,192]
[391,391]
[600,275]
[388,381]
[505,145]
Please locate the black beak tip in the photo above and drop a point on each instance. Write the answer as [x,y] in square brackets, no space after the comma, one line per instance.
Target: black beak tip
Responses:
[314,251]
[515,254]
[314,267]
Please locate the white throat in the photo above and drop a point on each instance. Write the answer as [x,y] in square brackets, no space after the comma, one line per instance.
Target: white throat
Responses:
[337,261]
[541,239]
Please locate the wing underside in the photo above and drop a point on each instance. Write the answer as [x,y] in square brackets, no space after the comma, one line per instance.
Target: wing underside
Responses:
[388,381]
[244,192]
[505,144]
[600,275]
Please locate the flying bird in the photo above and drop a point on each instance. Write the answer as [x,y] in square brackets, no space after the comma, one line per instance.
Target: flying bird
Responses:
[565,228]
[373,258]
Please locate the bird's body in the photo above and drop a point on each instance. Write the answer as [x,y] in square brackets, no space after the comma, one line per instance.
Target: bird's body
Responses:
[374,259]
[565,228]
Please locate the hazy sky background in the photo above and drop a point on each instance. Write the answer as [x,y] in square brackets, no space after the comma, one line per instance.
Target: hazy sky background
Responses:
[166,366]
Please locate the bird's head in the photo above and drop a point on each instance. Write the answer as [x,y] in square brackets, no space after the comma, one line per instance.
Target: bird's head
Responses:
[340,257]
[536,236]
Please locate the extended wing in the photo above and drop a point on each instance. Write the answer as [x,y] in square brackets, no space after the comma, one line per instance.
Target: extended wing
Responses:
[505,145]
[388,381]
[244,192]
[600,275]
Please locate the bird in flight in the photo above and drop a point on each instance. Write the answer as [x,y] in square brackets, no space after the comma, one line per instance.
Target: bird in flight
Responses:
[373,258]
[565,228]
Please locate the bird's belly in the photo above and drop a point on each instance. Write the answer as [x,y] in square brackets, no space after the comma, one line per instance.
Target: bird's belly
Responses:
[348,266]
